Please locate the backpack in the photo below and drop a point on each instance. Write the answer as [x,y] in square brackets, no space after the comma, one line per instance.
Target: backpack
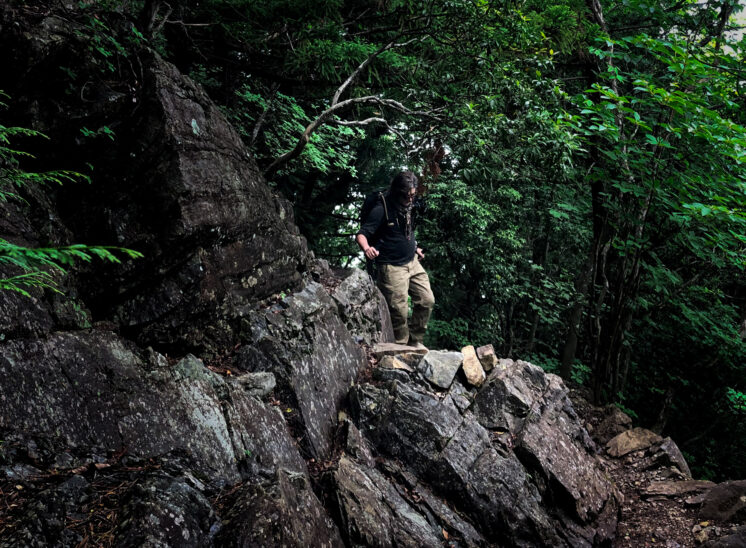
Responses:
[371,200]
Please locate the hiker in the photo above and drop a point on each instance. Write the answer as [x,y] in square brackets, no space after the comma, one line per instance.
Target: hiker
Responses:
[386,236]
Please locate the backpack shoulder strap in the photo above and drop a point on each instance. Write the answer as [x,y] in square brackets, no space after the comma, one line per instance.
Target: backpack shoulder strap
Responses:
[385,208]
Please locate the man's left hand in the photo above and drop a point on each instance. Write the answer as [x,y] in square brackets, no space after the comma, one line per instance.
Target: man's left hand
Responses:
[420,254]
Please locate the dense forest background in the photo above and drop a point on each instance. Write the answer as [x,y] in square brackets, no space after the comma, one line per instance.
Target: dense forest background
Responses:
[584,165]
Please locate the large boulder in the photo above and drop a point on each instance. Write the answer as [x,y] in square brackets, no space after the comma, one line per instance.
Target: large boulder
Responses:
[95,390]
[506,492]
[389,507]
[632,440]
[362,307]
[175,183]
[725,503]
[313,357]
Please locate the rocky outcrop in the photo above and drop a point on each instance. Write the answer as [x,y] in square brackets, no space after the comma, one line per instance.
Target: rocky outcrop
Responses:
[313,357]
[280,510]
[498,462]
[388,507]
[200,396]
[96,390]
[176,184]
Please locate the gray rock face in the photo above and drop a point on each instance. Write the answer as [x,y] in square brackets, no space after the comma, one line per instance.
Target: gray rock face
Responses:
[551,443]
[538,451]
[726,502]
[362,308]
[93,389]
[455,456]
[389,507]
[257,384]
[508,396]
[313,357]
[166,511]
[368,522]
[178,185]
[440,368]
[280,510]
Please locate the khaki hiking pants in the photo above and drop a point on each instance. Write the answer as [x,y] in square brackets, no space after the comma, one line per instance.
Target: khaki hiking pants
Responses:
[396,282]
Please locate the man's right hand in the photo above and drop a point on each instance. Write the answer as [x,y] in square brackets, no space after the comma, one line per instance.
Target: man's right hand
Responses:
[371,253]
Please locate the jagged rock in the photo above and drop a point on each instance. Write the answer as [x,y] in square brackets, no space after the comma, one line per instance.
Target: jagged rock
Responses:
[631,440]
[313,358]
[390,374]
[676,488]
[166,511]
[257,384]
[507,397]
[550,441]
[487,357]
[374,514]
[725,502]
[280,510]
[440,367]
[362,308]
[736,539]
[394,349]
[356,446]
[668,454]
[614,423]
[455,455]
[93,389]
[472,367]
[376,511]
[462,396]
[435,509]
[178,185]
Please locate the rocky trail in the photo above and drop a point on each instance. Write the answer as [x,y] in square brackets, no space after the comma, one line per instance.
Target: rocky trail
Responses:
[229,389]
[662,505]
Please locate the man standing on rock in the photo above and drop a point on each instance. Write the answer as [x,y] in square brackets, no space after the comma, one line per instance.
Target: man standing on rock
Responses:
[390,228]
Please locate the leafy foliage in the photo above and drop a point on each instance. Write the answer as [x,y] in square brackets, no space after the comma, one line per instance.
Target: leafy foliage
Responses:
[36,266]
[589,213]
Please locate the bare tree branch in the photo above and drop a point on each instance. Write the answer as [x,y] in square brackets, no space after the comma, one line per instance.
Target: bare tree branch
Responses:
[364,64]
[337,105]
[367,121]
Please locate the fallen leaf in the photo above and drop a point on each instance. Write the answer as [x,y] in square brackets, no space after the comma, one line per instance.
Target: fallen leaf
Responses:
[445,534]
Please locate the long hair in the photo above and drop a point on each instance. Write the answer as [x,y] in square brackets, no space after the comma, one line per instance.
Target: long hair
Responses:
[401,184]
